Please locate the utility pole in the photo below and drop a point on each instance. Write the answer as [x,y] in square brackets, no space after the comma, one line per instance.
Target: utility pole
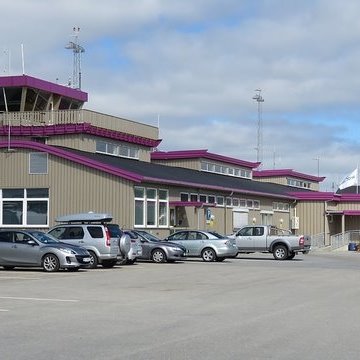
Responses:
[318,165]
[259,149]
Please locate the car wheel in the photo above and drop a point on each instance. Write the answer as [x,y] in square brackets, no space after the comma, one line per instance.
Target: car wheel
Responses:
[9,267]
[93,260]
[158,256]
[50,263]
[291,256]
[280,252]
[208,255]
[107,264]
[125,244]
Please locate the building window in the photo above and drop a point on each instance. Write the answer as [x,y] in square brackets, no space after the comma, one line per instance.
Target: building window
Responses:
[151,207]
[279,206]
[122,150]
[194,197]
[203,198]
[225,170]
[256,204]
[229,201]
[24,207]
[184,197]
[211,199]
[38,163]
[220,200]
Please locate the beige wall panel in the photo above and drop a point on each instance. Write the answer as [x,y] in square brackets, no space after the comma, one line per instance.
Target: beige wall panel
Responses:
[311,215]
[73,188]
[120,124]
[183,163]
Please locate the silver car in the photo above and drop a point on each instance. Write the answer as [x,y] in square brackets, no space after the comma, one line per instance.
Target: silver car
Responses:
[23,248]
[208,245]
[156,250]
[103,240]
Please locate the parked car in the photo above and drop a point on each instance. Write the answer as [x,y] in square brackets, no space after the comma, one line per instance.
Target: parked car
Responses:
[209,245]
[268,238]
[105,242]
[156,250]
[25,248]
[135,248]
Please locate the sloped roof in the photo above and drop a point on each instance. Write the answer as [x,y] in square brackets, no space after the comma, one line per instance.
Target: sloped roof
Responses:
[287,173]
[177,176]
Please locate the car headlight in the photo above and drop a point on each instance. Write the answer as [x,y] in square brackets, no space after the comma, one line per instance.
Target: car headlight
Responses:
[68,251]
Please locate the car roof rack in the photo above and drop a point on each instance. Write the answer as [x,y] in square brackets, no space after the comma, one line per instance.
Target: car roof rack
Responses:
[85,217]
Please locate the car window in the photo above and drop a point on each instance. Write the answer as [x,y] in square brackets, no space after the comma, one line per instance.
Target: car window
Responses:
[178,236]
[65,232]
[217,234]
[21,238]
[114,230]
[248,231]
[131,234]
[6,236]
[44,238]
[96,232]
[258,231]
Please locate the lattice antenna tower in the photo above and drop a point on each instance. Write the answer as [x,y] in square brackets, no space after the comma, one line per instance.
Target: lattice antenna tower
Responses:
[259,146]
[77,51]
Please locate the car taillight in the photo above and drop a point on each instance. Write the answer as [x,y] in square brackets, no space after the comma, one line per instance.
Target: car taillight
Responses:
[301,241]
[107,234]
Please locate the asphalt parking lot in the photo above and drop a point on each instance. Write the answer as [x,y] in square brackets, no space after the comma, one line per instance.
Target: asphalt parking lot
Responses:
[251,307]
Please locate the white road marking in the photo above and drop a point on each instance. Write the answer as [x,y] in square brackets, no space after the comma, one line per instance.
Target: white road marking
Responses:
[3,310]
[36,299]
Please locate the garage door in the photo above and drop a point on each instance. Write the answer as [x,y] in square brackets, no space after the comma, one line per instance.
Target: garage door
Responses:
[240,219]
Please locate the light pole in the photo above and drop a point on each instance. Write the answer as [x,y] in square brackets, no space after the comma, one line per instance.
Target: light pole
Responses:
[259,151]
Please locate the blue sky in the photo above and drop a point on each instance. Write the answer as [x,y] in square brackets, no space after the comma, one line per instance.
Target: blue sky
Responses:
[195,65]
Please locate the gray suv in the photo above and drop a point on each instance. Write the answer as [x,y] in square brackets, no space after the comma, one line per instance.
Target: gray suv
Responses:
[104,241]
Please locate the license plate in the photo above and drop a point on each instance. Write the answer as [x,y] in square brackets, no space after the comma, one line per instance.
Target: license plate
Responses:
[86,260]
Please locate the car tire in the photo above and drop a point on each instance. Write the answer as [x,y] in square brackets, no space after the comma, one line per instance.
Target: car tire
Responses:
[93,260]
[208,255]
[8,267]
[73,269]
[280,252]
[291,256]
[125,244]
[50,263]
[158,256]
[107,264]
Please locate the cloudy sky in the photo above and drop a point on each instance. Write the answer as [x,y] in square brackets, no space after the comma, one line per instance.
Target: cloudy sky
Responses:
[193,67]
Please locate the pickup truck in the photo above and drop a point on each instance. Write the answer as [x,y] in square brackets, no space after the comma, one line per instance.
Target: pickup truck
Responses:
[267,238]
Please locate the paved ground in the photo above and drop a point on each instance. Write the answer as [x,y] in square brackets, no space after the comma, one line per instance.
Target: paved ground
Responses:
[252,307]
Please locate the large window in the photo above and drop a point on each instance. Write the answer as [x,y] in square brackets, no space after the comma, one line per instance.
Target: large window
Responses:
[120,150]
[151,207]
[24,207]
[225,170]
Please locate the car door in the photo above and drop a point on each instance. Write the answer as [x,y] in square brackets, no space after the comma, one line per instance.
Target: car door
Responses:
[23,253]
[6,247]
[197,241]
[244,239]
[181,238]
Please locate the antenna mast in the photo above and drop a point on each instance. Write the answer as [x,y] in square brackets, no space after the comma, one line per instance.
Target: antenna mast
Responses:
[77,50]
[259,148]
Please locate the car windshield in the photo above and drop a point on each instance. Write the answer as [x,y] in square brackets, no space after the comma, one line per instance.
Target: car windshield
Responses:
[44,238]
[149,237]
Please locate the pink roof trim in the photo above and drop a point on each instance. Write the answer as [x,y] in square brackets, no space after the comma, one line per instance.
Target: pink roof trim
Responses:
[286,172]
[31,82]
[192,154]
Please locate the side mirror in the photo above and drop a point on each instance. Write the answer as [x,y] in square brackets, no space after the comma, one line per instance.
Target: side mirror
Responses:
[31,242]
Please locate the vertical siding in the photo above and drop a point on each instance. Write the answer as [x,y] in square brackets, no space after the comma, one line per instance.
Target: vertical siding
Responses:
[73,188]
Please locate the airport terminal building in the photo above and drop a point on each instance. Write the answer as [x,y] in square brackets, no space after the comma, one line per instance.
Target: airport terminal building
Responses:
[58,158]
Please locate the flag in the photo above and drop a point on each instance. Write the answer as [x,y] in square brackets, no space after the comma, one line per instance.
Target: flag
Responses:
[350,180]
